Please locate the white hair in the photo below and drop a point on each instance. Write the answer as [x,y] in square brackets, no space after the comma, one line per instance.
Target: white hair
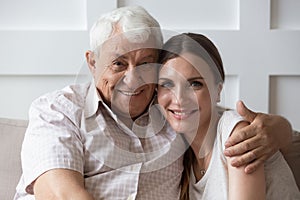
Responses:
[133,19]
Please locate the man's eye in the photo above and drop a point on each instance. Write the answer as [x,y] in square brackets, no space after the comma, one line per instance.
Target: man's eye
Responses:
[118,66]
[118,63]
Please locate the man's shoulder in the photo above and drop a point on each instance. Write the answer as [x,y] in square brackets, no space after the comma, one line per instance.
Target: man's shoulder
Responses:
[72,93]
[68,99]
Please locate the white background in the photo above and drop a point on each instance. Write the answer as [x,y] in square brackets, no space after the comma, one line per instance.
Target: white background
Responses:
[42,46]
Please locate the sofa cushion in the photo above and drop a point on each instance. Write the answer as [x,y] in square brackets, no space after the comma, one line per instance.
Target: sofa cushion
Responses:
[11,134]
[292,155]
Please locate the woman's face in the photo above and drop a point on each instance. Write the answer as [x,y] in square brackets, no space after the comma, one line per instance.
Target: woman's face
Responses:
[185,94]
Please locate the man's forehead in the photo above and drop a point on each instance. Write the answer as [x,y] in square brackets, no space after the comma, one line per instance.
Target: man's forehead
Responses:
[121,45]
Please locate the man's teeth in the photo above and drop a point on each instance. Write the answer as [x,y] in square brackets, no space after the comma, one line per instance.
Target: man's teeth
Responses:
[130,93]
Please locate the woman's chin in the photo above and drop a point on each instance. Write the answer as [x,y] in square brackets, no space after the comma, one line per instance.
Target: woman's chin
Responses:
[186,129]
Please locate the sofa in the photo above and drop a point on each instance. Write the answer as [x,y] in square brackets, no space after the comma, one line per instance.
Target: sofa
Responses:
[12,134]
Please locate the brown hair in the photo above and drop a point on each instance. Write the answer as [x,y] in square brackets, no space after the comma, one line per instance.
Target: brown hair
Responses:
[185,179]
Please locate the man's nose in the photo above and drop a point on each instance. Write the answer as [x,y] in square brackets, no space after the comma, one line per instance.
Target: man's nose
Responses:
[132,77]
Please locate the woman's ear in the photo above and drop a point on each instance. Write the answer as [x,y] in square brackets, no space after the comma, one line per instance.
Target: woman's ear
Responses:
[90,59]
[219,88]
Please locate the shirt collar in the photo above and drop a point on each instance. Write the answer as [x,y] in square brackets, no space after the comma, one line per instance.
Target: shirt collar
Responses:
[92,101]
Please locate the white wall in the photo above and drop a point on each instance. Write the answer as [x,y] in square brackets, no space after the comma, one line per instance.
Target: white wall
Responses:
[43,44]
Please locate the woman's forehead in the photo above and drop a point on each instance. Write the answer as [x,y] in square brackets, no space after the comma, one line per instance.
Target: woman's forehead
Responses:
[178,66]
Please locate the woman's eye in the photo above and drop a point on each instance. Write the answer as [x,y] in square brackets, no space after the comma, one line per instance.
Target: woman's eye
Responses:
[196,84]
[166,84]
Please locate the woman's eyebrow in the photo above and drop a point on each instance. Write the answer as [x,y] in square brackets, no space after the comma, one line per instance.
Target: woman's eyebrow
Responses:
[164,79]
[194,78]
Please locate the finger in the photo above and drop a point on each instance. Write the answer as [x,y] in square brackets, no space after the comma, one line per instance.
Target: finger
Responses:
[260,144]
[245,112]
[243,159]
[252,167]
[248,157]
[242,147]
[240,135]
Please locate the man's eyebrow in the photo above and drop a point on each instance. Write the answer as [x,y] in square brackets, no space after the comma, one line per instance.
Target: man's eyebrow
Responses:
[148,57]
[118,56]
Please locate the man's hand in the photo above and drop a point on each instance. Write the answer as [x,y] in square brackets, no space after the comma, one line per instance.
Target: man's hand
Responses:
[61,184]
[255,143]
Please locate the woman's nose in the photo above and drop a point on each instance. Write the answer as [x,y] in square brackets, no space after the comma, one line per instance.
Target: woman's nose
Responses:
[183,95]
[179,94]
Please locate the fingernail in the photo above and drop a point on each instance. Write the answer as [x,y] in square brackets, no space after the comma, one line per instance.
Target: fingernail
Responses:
[248,170]
[227,152]
[227,144]
[234,163]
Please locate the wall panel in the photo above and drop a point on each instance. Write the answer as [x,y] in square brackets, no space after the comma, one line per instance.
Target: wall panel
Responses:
[192,14]
[43,15]
[285,98]
[259,42]
[285,14]
[18,91]
[230,93]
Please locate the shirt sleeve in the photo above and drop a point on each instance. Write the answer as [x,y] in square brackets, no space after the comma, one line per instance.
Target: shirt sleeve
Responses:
[226,125]
[52,139]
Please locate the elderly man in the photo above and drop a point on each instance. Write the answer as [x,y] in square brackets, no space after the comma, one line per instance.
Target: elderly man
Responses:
[106,139]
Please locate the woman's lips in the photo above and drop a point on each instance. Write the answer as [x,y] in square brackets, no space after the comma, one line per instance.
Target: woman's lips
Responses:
[181,114]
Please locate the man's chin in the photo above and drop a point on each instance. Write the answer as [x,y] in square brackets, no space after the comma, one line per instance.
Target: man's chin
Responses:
[124,111]
[126,107]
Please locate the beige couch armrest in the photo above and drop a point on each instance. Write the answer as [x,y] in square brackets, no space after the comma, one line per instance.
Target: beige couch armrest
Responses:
[11,134]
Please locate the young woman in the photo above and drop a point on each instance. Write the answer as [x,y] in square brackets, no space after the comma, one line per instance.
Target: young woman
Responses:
[190,83]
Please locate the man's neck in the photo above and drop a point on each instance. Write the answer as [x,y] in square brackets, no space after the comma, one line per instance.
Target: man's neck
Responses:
[127,121]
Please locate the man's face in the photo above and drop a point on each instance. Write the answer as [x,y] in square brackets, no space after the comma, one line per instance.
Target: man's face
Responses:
[125,75]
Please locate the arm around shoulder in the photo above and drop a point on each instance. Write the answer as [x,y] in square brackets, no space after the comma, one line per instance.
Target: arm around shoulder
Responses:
[255,143]
[61,184]
[282,129]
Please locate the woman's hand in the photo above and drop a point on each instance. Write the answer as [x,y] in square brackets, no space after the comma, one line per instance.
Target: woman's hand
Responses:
[255,143]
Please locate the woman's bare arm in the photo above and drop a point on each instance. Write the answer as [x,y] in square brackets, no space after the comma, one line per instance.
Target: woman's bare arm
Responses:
[244,186]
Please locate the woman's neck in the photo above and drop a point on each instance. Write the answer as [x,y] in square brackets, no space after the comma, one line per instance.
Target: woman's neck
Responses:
[202,145]
[203,141]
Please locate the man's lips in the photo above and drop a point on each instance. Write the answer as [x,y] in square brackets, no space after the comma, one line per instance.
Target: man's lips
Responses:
[130,93]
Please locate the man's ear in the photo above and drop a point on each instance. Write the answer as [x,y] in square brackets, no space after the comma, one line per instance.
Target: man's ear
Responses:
[219,88]
[90,59]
